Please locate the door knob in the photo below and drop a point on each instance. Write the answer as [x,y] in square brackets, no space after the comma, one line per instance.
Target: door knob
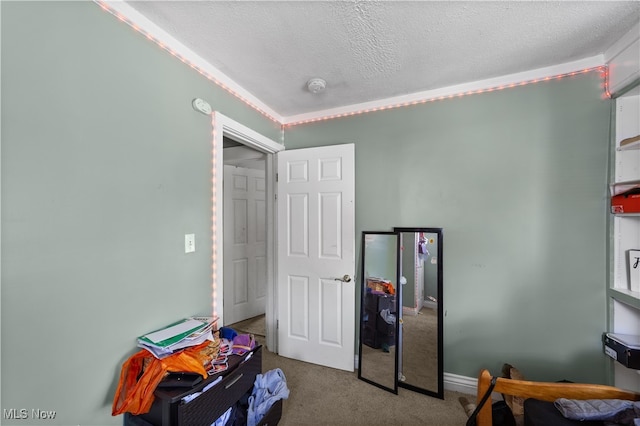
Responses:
[345,278]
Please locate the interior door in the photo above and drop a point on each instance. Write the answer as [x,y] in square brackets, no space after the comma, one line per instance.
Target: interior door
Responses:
[245,246]
[316,257]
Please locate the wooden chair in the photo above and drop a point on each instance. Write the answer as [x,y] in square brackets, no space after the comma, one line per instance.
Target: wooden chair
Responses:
[545,391]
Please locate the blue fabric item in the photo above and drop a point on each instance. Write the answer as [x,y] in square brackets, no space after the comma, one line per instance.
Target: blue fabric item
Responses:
[591,409]
[267,389]
[387,316]
[222,420]
[227,333]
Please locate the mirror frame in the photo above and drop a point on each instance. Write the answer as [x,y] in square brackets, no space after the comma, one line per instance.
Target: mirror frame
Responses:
[439,393]
[362,304]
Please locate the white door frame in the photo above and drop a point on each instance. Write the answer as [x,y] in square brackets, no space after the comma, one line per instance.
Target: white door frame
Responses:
[225,126]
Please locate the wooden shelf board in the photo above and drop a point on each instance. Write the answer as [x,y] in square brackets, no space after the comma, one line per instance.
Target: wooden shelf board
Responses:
[631,298]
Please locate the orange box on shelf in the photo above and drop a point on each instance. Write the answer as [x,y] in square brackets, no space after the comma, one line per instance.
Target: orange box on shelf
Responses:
[626,202]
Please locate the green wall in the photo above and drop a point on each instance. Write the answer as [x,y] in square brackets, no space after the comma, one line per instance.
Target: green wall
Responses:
[105,167]
[381,260]
[517,179]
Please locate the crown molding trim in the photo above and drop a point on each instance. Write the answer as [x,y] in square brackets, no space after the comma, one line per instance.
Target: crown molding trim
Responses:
[624,42]
[480,86]
[130,16]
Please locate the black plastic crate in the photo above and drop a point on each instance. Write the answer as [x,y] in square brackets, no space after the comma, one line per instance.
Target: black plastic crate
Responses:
[378,302]
[370,337]
[272,417]
[624,348]
[374,339]
[387,301]
[385,328]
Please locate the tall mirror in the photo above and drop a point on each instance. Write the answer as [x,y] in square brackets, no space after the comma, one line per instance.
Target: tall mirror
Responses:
[378,363]
[401,315]
[421,317]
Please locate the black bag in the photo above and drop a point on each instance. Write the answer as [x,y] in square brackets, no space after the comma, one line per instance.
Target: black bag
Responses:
[500,411]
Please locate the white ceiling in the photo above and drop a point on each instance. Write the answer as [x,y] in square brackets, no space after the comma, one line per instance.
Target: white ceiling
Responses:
[371,50]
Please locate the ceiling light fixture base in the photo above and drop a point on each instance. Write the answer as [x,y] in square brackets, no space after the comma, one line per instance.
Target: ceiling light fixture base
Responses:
[316,85]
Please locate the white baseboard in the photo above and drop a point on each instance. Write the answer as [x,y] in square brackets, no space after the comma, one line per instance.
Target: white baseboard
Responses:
[430,304]
[452,382]
[463,384]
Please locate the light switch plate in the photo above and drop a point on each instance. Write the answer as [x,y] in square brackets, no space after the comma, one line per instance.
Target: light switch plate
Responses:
[189,243]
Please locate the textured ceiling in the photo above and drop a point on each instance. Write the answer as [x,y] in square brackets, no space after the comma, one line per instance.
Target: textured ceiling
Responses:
[369,50]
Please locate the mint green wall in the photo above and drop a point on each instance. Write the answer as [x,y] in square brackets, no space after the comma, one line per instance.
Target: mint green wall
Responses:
[105,167]
[517,179]
[381,258]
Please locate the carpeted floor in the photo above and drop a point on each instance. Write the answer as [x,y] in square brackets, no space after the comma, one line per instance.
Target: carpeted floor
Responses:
[325,396]
[255,325]
[420,349]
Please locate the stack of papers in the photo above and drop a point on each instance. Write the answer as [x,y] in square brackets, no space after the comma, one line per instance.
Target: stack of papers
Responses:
[182,334]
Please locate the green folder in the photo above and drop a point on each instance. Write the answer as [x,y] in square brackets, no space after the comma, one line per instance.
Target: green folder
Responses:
[173,338]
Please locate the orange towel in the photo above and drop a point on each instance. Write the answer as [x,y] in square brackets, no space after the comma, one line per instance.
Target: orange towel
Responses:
[135,392]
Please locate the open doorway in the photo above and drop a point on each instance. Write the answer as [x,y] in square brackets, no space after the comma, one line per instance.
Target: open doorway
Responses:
[240,136]
[245,238]
[321,306]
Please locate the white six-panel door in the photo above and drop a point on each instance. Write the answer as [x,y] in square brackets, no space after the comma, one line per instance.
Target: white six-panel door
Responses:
[245,234]
[316,307]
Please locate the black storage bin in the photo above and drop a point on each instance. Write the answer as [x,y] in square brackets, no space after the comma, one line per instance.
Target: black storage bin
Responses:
[624,348]
[374,339]
[387,301]
[378,302]
[169,409]
[240,412]
[370,317]
[272,417]
[385,328]
[370,337]
[371,301]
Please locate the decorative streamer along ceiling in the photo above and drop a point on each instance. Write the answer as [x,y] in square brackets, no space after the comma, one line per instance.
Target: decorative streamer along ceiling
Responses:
[373,50]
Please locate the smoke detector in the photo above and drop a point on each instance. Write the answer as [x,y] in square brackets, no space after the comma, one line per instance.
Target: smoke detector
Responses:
[316,85]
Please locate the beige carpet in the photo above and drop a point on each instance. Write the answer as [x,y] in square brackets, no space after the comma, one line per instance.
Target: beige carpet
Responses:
[378,365]
[325,396]
[255,325]
[420,349]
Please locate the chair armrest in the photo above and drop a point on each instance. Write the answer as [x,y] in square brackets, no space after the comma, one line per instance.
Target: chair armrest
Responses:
[546,391]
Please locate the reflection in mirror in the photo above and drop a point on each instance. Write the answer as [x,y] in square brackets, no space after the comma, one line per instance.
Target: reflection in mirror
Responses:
[420,342]
[378,363]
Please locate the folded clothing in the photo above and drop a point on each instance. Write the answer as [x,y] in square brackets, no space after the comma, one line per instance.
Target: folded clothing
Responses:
[617,410]
[243,343]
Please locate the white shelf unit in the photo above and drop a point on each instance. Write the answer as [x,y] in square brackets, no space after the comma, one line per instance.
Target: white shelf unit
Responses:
[624,304]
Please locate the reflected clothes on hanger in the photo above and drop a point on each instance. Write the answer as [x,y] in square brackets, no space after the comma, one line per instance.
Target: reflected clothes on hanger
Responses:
[423,252]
